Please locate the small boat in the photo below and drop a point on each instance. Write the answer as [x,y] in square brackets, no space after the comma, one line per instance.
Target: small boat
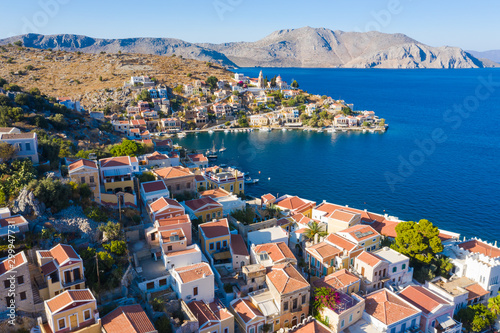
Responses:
[223,165]
[226,131]
[265,129]
[212,154]
[372,131]
[222,148]
[331,130]
[344,130]
[364,131]
[283,129]
[320,130]
[181,135]
[249,180]
[210,132]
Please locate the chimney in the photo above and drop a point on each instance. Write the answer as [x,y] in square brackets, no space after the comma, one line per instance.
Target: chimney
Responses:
[316,238]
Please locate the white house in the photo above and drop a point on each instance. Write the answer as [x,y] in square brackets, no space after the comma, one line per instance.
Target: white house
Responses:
[230,202]
[26,144]
[269,235]
[194,282]
[400,273]
[153,190]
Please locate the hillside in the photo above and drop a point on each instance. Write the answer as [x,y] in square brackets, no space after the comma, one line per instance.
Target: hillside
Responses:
[304,47]
[94,77]
[492,55]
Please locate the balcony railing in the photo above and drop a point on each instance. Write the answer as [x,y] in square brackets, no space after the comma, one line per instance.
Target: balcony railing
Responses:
[73,282]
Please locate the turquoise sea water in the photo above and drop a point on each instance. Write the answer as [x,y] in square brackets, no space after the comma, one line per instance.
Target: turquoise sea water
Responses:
[439,160]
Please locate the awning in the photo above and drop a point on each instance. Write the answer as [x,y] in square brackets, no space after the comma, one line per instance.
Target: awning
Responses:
[445,321]
[115,172]
[222,255]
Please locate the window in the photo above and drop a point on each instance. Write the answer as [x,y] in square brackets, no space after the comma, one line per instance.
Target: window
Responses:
[86,314]
[6,283]
[163,282]
[350,318]
[178,187]
[226,330]
[286,323]
[22,296]
[285,306]
[169,248]
[393,330]
[363,244]
[294,304]
[394,269]
[303,299]
[218,214]
[82,180]
[331,263]
[302,316]
[231,188]
[413,322]
[150,285]
[374,240]
[404,266]
[195,291]
[403,327]
[224,243]
[28,147]
[188,185]
[241,186]
[91,179]
[342,323]
[252,330]
[211,246]
[62,323]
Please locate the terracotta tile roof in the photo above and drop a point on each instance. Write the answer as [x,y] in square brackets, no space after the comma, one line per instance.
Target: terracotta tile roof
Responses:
[295,203]
[301,219]
[156,156]
[173,172]
[337,280]
[199,178]
[215,193]
[198,158]
[68,297]
[166,142]
[369,258]
[360,232]
[115,161]
[286,278]
[276,251]
[342,215]
[341,242]
[9,264]
[127,319]
[388,307]
[15,136]
[63,252]
[422,298]
[49,268]
[208,314]
[153,186]
[214,229]
[475,291]
[13,220]
[477,246]
[246,310]
[311,327]
[238,245]
[174,220]
[194,272]
[82,162]
[206,203]
[323,250]
[267,197]
[163,203]
[366,216]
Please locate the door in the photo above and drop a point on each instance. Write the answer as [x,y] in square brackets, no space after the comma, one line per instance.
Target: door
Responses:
[73,319]
[294,321]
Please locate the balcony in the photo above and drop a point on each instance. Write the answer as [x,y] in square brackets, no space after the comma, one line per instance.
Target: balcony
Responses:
[73,282]
[446,324]
[296,309]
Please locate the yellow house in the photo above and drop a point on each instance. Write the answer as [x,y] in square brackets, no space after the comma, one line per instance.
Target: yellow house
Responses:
[215,237]
[211,317]
[117,173]
[71,311]
[228,179]
[61,269]
[350,250]
[205,208]
[86,172]
[364,235]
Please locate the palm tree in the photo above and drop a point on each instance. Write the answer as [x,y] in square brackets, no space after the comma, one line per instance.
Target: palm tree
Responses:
[494,305]
[272,210]
[314,228]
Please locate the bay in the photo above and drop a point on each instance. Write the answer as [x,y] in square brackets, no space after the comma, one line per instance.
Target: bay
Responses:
[439,160]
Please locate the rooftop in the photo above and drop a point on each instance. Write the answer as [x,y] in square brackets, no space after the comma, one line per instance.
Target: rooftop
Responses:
[153,186]
[246,310]
[276,251]
[201,204]
[238,245]
[337,280]
[388,307]
[477,246]
[69,297]
[215,229]
[422,298]
[286,278]
[127,319]
[194,272]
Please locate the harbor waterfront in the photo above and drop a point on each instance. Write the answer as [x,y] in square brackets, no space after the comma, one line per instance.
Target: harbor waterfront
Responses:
[431,163]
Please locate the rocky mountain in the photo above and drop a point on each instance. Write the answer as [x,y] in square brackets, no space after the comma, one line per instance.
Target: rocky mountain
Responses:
[493,55]
[304,47]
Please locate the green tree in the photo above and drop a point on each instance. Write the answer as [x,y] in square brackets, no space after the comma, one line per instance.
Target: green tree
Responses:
[144,96]
[419,241]
[18,43]
[7,151]
[84,191]
[494,305]
[162,324]
[146,177]
[314,228]
[273,211]
[105,259]
[112,230]
[58,121]
[178,89]
[212,82]
[476,318]
[127,148]
[53,193]
[294,84]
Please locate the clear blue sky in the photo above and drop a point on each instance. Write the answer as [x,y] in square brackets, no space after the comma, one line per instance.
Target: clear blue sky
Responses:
[467,24]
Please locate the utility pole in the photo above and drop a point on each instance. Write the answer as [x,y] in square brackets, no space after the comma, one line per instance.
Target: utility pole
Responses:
[97,266]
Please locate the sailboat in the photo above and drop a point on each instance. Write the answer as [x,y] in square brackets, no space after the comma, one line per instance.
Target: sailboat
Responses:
[222,148]
[212,154]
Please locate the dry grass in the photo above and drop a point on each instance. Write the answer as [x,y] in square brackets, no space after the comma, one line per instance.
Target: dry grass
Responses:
[61,73]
